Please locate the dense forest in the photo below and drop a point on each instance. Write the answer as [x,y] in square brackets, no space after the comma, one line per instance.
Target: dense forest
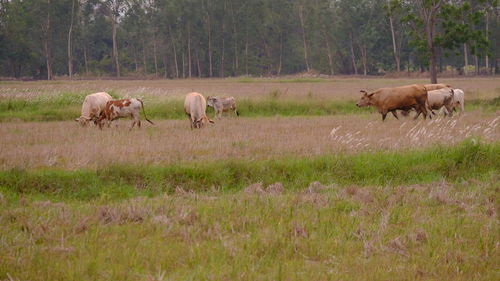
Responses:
[220,38]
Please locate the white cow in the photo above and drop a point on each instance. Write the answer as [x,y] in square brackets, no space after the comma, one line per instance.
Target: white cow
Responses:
[441,98]
[195,107]
[458,99]
[92,107]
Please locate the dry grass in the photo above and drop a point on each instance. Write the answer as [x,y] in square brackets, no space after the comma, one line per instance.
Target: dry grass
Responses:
[65,145]
[338,89]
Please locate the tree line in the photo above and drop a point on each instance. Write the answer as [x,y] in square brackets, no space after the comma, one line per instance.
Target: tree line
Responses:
[220,38]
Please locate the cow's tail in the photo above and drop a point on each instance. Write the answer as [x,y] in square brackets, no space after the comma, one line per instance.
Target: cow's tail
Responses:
[145,117]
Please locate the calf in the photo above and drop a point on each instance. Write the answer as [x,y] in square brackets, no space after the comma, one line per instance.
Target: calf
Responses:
[123,108]
[222,105]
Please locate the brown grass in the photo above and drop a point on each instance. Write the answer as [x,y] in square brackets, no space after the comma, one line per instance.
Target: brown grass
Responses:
[65,145]
[336,88]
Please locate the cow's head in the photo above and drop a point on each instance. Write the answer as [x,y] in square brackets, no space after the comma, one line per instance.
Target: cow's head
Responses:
[366,99]
[200,123]
[82,121]
[211,101]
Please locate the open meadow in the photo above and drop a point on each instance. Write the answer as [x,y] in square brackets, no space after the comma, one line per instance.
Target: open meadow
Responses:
[302,186]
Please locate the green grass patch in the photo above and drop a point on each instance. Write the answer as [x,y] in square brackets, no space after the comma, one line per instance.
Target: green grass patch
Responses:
[67,106]
[466,160]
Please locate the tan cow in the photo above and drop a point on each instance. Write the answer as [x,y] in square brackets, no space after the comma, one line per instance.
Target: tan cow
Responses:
[432,87]
[222,105]
[387,100]
[195,107]
[123,108]
[92,107]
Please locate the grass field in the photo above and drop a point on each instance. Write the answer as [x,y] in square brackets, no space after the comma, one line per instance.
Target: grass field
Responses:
[302,186]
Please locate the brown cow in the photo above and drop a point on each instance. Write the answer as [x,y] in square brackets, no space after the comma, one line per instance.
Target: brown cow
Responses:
[398,98]
[195,107]
[123,108]
[432,87]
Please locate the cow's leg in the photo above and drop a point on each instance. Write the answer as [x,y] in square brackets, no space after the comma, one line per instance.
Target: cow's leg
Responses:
[418,110]
[449,109]
[383,116]
[423,109]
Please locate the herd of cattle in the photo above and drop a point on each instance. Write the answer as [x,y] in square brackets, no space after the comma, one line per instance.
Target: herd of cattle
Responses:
[101,109]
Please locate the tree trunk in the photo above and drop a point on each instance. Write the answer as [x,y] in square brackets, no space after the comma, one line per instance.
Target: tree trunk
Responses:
[115,46]
[136,63]
[246,53]
[175,52]
[476,64]
[210,71]
[198,64]
[328,49]
[394,46]
[189,49]
[466,58]
[85,57]
[281,53]
[144,61]
[165,66]
[353,57]
[48,43]
[183,65]
[154,56]
[70,55]
[486,57]
[429,30]
[362,50]
[235,39]
[301,17]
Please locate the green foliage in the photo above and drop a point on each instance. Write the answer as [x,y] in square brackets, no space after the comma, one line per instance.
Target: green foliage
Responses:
[466,160]
[230,38]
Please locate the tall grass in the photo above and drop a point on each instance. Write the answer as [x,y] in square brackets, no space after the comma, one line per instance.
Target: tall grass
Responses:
[67,106]
[466,160]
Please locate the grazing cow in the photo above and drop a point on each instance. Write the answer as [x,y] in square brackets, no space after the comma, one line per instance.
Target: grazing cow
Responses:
[92,107]
[222,105]
[195,107]
[123,108]
[399,98]
[432,87]
[458,100]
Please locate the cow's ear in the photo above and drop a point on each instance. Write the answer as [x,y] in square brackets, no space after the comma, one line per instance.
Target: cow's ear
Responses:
[370,95]
[211,121]
[77,119]
[363,91]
